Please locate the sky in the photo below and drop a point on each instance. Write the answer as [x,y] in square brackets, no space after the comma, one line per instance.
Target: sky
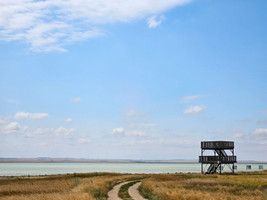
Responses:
[132,79]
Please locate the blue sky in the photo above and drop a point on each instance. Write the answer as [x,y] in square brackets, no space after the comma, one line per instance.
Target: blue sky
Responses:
[132,79]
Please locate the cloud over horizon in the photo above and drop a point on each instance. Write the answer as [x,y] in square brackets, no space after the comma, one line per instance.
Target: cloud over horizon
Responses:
[260,133]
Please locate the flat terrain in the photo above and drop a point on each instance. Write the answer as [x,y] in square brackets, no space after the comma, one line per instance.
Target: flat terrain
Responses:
[251,185]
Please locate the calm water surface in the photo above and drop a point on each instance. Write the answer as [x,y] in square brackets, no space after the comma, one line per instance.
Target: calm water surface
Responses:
[17,169]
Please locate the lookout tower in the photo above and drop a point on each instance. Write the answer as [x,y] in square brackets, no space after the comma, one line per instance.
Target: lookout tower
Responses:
[220,157]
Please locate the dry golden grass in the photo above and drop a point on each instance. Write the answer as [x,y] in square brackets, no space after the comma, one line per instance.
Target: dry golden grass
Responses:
[251,186]
[60,187]
[197,186]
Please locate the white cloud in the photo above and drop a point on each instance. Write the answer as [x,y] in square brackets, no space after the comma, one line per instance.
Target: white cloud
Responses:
[2,121]
[154,21]
[190,98]
[76,100]
[238,135]
[263,142]
[146,142]
[49,25]
[12,127]
[260,133]
[68,120]
[135,133]
[84,140]
[118,131]
[194,109]
[41,131]
[31,132]
[262,121]
[134,113]
[122,131]
[65,131]
[29,116]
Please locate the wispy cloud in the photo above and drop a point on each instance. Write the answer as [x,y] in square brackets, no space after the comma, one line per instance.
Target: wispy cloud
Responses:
[262,121]
[238,135]
[84,140]
[29,116]
[260,133]
[2,120]
[49,25]
[217,131]
[135,133]
[155,21]
[10,100]
[194,109]
[190,98]
[167,142]
[41,131]
[65,131]
[68,120]
[12,127]
[244,120]
[141,125]
[76,100]
[134,113]
[118,130]
[122,131]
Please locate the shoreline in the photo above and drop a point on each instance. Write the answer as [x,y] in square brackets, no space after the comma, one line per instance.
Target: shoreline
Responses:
[71,160]
[122,173]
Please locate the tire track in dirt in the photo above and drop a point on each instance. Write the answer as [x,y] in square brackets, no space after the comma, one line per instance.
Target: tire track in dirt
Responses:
[113,194]
[134,193]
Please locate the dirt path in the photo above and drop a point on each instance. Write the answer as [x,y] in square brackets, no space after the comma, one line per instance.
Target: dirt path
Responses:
[113,194]
[134,193]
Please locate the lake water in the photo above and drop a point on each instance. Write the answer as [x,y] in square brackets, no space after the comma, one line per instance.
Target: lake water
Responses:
[17,169]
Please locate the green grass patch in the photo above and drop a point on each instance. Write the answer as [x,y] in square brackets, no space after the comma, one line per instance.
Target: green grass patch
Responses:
[123,192]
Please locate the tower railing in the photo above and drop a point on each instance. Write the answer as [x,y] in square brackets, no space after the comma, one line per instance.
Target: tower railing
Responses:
[217,159]
[217,145]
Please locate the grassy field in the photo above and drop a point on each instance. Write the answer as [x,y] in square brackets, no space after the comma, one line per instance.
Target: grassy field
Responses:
[60,187]
[244,186]
[155,186]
